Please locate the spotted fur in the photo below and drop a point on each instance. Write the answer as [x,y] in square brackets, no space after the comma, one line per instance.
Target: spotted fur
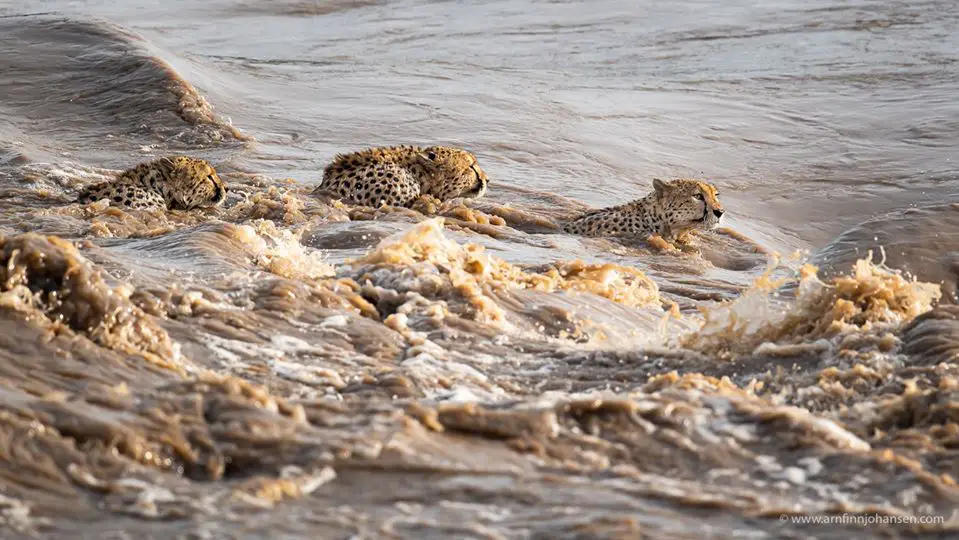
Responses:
[673,209]
[168,183]
[398,175]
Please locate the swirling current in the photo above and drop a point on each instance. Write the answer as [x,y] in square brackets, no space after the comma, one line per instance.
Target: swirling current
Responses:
[289,367]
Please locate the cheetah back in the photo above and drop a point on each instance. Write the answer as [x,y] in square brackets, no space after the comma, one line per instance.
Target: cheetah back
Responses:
[604,222]
[371,184]
[123,193]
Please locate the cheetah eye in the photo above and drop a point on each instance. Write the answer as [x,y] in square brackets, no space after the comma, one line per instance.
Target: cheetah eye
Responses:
[431,155]
[700,196]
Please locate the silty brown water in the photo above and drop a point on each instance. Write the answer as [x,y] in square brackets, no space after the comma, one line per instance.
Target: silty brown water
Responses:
[283,367]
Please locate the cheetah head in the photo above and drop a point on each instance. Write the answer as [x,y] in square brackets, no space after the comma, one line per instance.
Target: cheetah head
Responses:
[196,184]
[452,172]
[688,205]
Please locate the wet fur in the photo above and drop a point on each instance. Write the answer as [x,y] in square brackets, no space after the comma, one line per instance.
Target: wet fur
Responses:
[398,175]
[673,209]
[167,183]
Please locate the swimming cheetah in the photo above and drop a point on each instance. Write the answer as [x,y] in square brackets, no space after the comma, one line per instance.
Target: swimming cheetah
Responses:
[398,175]
[672,210]
[167,183]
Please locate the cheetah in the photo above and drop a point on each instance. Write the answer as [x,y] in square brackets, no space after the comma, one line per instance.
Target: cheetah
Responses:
[398,175]
[672,210]
[167,183]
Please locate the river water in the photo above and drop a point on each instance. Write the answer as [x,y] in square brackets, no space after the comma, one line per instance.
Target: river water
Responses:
[285,368]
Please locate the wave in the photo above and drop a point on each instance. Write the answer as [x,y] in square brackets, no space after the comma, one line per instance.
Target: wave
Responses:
[86,84]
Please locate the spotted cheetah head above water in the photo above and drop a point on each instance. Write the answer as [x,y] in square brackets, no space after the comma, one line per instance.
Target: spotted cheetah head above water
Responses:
[673,209]
[689,204]
[162,184]
[451,172]
[398,175]
[189,182]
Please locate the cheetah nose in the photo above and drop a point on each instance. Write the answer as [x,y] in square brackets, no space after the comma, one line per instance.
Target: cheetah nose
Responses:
[718,212]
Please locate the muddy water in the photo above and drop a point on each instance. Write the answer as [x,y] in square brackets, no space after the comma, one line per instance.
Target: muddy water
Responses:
[284,367]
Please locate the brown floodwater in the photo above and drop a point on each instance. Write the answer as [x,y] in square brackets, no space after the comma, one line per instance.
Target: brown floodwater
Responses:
[290,367]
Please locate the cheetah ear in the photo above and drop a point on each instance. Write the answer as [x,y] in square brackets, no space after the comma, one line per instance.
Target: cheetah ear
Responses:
[424,159]
[659,186]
